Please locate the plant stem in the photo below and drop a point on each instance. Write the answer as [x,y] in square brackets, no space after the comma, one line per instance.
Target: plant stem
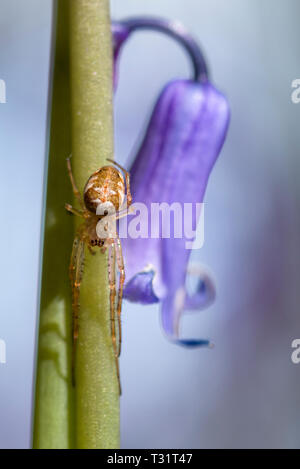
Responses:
[92,419]
[54,400]
[97,393]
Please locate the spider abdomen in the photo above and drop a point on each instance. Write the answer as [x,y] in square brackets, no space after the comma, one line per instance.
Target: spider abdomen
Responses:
[105,186]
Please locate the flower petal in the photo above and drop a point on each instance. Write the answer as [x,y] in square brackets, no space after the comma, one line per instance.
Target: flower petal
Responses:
[170,324]
[184,137]
[205,292]
[182,303]
[139,289]
[193,343]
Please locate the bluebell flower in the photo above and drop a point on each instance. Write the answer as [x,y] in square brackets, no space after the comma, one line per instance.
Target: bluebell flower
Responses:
[184,137]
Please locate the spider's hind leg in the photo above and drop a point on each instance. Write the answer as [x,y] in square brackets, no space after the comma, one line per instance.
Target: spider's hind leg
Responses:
[112,287]
[120,264]
[76,271]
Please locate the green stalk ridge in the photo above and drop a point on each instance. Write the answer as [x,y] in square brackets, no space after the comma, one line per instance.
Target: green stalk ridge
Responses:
[54,397]
[97,400]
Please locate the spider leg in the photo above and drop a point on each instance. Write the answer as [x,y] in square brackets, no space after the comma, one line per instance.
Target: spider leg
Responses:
[74,187]
[124,212]
[112,286]
[127,177]
[91,250]
[70,209]
[120,263]
[76,271]
[120,214]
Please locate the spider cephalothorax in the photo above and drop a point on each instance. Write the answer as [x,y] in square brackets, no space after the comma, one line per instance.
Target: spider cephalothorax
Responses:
[103,196]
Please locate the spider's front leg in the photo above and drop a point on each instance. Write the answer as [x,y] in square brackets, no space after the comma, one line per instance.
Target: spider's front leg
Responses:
[127,177]
[82,212]
[74,187]
[74,211]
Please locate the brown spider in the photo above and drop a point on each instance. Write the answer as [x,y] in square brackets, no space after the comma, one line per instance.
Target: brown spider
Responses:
[103,198]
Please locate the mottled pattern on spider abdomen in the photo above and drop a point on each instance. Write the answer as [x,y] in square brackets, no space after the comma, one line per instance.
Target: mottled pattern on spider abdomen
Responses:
[105,185]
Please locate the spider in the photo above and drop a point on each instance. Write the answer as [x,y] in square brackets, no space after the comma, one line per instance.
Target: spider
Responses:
[103,198]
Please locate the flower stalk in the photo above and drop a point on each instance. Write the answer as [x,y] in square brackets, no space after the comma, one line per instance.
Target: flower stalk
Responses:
[54,423]
[97,391]
[175,30]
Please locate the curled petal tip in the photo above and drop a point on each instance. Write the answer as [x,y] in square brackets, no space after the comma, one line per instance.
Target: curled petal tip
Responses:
[139,289]
[174,307]
[205,293]
[193,343]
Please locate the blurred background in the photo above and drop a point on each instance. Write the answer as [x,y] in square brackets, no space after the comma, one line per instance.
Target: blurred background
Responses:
[245,392]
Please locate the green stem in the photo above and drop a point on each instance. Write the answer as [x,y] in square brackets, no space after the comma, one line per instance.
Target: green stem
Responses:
[54,401]
[87,417]
[97,400]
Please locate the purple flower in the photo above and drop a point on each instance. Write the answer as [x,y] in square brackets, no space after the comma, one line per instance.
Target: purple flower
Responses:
[181,144]
[120,33]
